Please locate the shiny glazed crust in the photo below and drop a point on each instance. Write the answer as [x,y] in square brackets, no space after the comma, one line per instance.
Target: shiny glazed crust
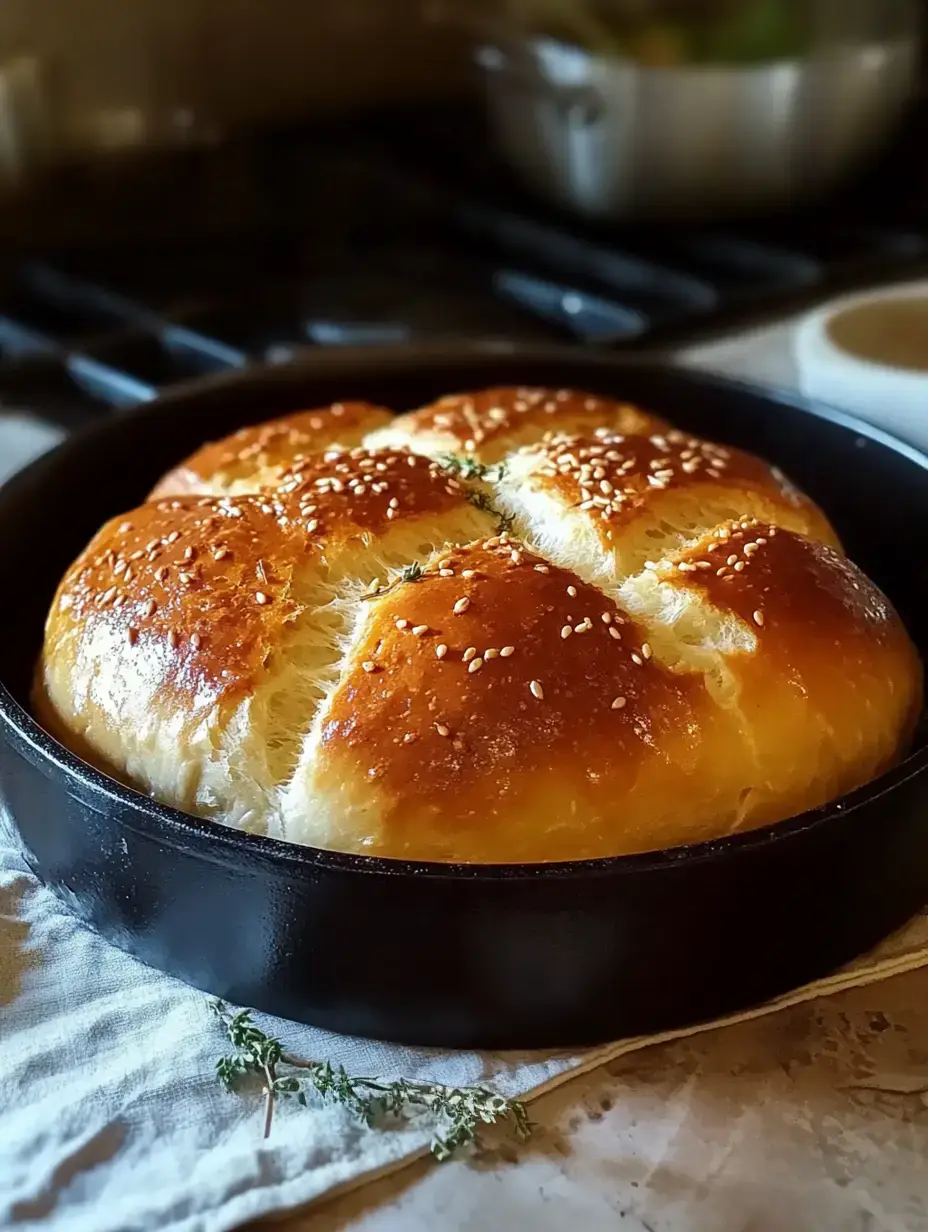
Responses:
[246,460]
[573,632]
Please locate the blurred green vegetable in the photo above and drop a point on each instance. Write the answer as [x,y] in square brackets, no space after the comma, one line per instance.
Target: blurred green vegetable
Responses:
[759,30]
[737,32]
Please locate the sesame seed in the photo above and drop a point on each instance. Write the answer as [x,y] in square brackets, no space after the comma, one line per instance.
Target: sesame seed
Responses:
[614,633]
[172,638]
[739,567]
[220,554]
[491,653]
[475,665]
[446,573]
[566,631]
[312,524]
[420,630]
[149,608]
[409,738]
[572,591]
[606,618]
[442,730]
[618,703]
[731,560]
[636,658]
[507,651]
[759,618]
[461,606]
[537,690]
[721,572]
[196,641]
[261,598]
[394,503]
[369,666]
[469,653]
[188,554]
[441,651]
[542,569]
[445,564]
[468,573]
[646,650]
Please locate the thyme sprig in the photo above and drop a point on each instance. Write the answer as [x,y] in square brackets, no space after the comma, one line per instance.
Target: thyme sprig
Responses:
[504,521]
[458,1112]
[409,573]
[466,467]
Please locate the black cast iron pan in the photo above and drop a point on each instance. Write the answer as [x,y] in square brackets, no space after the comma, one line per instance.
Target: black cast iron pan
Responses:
[492,956]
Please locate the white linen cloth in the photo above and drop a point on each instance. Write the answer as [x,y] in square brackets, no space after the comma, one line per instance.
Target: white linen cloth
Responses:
[111,1118]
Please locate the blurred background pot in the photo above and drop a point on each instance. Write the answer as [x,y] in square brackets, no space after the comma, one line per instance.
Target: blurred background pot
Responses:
[692,107]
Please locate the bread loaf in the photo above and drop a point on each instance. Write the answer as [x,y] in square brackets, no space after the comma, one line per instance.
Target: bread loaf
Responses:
[517,625]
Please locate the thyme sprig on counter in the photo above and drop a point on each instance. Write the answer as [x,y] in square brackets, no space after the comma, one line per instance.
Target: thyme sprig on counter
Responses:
[458,1112]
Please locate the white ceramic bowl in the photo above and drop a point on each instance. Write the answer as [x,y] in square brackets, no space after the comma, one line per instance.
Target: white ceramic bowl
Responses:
[894,398]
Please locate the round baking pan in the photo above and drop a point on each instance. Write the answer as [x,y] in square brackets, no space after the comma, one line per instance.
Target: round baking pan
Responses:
[478,955]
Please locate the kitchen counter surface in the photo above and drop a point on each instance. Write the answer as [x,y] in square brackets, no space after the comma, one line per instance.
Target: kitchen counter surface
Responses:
[811,1120]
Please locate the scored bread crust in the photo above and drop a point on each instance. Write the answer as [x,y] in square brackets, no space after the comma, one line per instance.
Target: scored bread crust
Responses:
[582,634]
[490,423]
[248,459]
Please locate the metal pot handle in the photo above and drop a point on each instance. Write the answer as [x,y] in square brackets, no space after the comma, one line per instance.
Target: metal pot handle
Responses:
[582,104]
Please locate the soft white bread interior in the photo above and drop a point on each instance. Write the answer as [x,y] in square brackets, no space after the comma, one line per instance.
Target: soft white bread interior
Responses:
[572,637]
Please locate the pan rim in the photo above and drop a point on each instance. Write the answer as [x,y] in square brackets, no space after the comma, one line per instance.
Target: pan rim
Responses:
[202,838]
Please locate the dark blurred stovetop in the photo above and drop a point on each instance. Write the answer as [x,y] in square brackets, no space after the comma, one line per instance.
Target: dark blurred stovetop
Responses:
[394,229]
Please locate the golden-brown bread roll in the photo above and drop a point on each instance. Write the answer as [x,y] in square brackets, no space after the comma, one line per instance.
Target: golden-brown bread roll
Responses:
[249,459]
[545,647]
[490,423]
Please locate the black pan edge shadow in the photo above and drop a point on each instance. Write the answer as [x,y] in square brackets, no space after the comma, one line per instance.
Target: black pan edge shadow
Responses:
[467,955]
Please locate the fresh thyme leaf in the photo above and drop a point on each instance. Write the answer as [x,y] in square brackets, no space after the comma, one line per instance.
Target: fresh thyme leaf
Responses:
[409,573]
[469,468]
[505,521]
[480,500]
[458,1111]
